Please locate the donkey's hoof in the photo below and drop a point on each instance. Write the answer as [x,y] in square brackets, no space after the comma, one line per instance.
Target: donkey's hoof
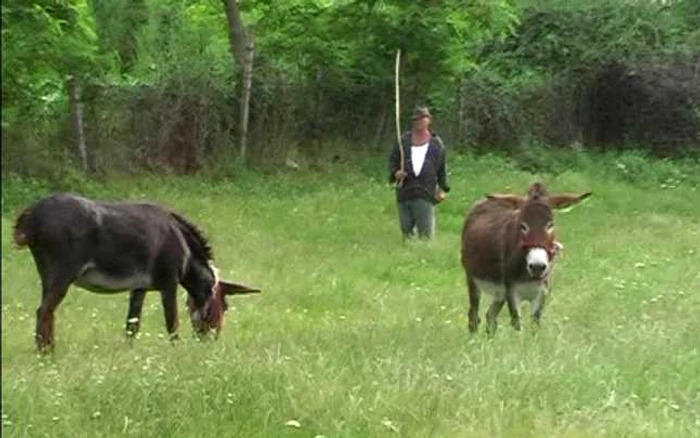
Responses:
[45,350]
[133,325]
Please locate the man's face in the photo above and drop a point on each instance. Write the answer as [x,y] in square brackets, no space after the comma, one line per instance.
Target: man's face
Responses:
[421,122]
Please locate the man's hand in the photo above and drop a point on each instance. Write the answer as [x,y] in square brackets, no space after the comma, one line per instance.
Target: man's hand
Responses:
[400,175]
[440,196]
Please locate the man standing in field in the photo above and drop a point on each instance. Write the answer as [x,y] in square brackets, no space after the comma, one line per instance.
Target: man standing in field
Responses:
[421,180]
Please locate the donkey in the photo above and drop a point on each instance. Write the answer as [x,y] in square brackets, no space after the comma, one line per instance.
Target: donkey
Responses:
[508,250]
[108,247]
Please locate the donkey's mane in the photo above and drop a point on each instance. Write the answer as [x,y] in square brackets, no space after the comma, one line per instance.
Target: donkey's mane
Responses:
[195,239]
[537,191]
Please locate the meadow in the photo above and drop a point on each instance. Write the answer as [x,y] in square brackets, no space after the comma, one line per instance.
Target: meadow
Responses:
[357,334]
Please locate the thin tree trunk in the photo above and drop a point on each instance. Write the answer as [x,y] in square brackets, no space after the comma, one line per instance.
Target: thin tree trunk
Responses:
[381,127]
[317,124]
[77,125]
[236,33]
[242,50]
[461,122]
[245,92]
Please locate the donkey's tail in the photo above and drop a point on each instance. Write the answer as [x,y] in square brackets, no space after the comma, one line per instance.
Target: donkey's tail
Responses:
[22,231]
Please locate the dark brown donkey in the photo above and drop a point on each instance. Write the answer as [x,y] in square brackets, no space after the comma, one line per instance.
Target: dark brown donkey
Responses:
[508,250]
[115,247]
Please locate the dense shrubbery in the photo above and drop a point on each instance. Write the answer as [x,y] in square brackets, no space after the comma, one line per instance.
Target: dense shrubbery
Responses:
[160,89]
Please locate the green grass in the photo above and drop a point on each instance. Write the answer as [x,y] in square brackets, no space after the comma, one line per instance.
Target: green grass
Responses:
[357,334]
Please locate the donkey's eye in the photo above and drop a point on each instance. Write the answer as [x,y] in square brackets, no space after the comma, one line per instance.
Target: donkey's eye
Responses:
[549,226]
[524,228]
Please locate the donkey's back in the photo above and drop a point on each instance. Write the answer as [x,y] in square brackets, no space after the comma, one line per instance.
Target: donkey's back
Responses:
[101,246]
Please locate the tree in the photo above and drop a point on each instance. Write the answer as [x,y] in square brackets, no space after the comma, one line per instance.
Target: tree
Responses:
[51,47]
[243,50]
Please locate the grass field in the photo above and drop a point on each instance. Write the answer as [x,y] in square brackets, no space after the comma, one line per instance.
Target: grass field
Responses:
[359,335]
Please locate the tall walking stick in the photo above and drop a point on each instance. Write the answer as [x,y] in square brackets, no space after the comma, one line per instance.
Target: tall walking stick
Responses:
[399,183]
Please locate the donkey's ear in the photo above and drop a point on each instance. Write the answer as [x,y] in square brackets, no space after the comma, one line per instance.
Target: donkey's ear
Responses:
[566,200]
[513,201]
[229,288]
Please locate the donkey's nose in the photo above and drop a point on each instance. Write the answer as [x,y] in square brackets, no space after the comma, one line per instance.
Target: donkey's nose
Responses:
[537,269]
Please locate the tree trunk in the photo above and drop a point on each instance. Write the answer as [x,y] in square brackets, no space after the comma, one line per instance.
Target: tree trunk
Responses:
[242,51]
[461,117]
[76,116]
[318,123]
[245,92]
[381,127]
[236,33]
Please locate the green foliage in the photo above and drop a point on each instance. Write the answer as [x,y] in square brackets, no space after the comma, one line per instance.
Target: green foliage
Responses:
[354,43]
[185,46]
[561,37]
[494,72]
[18,191]
[531,85]
[117,24]
[43,43]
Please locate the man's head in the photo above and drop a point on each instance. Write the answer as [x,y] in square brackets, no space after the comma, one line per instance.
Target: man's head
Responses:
[421,118]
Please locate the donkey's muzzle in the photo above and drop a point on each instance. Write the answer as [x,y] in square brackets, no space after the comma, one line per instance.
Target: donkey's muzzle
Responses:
[537,262]
[537,270]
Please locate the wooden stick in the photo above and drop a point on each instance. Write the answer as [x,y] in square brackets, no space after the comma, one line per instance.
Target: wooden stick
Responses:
[399,183]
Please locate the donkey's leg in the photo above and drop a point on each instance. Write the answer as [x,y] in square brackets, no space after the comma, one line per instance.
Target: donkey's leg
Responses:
[492,313]
[55,280]
[169,297]
[513,307]
[133,316]
[538,307]
[474,296]
[539,302]
[52,293]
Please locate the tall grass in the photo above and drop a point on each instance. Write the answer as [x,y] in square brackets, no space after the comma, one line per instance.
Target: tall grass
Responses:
[357,334]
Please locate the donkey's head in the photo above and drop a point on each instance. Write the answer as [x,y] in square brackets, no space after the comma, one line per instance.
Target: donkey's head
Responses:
[210,317]
[535,225]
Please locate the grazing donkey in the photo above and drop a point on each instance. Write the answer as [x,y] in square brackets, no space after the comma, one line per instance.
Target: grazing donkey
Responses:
[114,247]
[508,249]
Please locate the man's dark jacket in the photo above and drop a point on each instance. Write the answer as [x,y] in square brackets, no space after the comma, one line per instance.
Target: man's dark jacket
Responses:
[433,173]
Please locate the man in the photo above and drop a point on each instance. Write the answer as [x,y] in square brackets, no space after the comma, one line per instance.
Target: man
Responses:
[422,180]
